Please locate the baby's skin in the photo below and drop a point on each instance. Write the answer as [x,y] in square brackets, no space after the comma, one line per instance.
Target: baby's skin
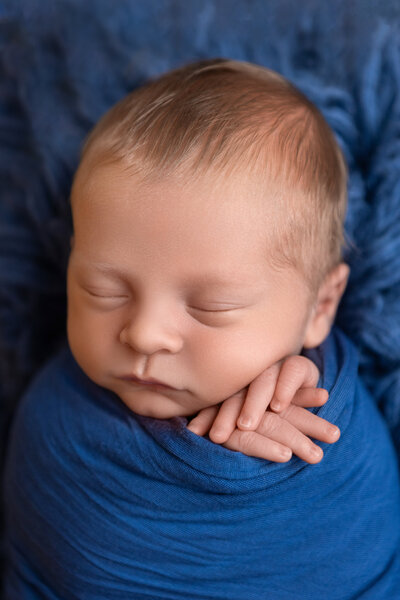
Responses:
[269,419]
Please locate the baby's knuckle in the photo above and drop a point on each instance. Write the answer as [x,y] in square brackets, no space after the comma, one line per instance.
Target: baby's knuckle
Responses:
[294,359]
[267,418]
[246,439]
[301,365]
[270,422]
[286,388]
[289,411]
[297,364]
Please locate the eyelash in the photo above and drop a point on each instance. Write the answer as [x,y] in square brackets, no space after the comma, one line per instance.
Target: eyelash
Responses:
[223,310]
[105,297]
[205,310]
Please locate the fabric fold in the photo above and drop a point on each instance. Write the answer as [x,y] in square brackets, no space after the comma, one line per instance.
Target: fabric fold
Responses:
[102,503]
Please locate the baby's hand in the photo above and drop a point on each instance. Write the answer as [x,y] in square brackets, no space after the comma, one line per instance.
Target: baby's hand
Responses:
[272,435]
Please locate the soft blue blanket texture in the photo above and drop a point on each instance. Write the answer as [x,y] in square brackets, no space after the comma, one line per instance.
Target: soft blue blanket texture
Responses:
[104,504]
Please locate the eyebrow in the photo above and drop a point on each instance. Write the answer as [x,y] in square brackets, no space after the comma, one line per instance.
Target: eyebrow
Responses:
[204,279]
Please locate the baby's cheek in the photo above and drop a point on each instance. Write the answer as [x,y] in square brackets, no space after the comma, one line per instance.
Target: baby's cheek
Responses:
[88,341]
[227,365]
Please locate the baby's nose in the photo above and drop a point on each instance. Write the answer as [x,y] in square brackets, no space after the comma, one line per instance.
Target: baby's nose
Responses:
[149,331]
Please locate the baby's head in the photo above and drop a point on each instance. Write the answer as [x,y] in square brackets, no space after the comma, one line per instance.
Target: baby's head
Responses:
[208,214]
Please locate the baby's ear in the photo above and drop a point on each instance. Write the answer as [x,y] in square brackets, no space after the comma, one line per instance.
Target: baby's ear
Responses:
[324,311]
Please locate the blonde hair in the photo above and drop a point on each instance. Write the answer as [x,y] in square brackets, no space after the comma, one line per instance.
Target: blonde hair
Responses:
[230,116]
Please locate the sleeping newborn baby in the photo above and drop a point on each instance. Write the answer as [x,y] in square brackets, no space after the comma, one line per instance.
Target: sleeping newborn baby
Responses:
[208,214]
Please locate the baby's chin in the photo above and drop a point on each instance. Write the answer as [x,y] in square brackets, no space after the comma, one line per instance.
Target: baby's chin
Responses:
[159,404]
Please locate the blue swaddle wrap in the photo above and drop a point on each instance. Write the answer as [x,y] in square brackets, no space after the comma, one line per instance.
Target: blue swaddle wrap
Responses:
[116,505]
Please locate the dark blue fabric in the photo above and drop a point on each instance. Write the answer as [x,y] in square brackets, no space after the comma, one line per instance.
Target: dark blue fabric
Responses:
[105,504]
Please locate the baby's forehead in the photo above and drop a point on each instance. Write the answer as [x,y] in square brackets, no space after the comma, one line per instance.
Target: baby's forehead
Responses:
[215,207]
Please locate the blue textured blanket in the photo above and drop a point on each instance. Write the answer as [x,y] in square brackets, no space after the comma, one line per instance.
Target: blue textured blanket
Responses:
[105,504]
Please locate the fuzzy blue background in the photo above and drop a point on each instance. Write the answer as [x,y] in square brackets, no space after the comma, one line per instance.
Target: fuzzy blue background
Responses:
[63,63]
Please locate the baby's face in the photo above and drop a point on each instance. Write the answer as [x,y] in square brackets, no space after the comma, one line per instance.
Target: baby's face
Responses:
[172,282]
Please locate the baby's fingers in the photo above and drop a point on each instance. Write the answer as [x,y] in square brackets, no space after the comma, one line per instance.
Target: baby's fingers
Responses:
[311,425]
[281,430]
[252,443]
[258,397]
[202,422]
[296,372]
[309,397]
[225,421]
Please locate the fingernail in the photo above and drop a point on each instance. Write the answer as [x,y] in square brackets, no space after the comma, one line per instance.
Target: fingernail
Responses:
[245,421]
[286,454]
[316,452]
[334,431]
[276,405]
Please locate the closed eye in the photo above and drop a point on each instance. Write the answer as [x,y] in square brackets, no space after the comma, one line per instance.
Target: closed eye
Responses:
[110,296]
[207,310]
[106,296]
